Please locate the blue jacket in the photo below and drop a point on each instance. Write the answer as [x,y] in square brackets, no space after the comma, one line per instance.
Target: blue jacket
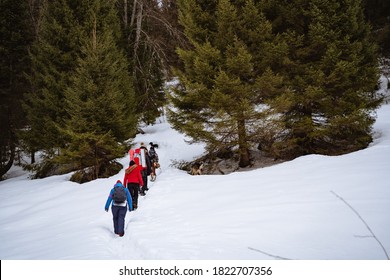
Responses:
[129,200]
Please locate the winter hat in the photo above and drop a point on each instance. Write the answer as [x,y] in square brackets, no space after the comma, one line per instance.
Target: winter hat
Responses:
[132,163]
[119,181]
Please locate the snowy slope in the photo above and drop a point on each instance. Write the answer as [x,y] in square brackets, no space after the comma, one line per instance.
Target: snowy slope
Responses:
[292,210]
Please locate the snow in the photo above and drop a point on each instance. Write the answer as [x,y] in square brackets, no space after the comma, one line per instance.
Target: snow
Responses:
[293,210]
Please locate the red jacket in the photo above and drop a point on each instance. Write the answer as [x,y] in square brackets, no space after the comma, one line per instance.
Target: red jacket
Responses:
[133,175]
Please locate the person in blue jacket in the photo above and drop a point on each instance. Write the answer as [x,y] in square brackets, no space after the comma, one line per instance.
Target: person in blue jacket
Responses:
[119,209]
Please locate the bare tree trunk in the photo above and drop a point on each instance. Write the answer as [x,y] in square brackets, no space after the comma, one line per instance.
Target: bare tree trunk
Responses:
[94,39]
[133,13]
[37,8]
[125,17]
[139,28]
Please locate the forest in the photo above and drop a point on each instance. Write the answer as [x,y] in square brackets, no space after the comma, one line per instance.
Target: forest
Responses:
[79,77]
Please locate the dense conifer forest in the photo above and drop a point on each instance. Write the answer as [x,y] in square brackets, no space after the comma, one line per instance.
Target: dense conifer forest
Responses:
[78,78]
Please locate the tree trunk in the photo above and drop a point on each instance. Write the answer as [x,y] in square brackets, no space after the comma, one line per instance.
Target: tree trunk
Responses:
[139,28]
[242,144]
[4,169]
[133,13]
[94,38]
[125,17]
[32,157]
[37,8]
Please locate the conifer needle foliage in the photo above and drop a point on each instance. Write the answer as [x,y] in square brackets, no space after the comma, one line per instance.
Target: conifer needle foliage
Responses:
[296,77]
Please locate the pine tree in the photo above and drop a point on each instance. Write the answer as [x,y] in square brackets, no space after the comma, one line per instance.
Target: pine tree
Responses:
[331,73]
[60,48]
[54,56]
[227,74]
[99,102]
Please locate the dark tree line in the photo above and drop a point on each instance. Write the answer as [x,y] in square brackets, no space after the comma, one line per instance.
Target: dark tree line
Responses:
[78,76]
[377,13]
[16,37]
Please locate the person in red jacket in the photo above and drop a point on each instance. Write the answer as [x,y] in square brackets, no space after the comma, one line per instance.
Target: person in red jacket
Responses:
[133,181]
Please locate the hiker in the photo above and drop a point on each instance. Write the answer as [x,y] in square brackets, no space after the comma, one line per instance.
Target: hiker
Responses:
[121,200]
[147,168]
[154,161]
[133,181]
[152,152]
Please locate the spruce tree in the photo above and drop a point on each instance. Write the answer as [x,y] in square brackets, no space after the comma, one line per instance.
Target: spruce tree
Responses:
[227,74]
[65,28]
[331,73]
[99,101]
[54,56]
[65,24]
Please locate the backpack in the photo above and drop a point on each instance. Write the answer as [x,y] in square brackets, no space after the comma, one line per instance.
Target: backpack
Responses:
[152,153]
[119,194]
[140,154]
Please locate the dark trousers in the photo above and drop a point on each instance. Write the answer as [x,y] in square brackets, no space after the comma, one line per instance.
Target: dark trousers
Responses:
[144,174]
[118,215]
[133,189]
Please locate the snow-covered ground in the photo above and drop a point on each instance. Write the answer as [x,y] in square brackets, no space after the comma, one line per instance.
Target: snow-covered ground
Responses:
[312,208]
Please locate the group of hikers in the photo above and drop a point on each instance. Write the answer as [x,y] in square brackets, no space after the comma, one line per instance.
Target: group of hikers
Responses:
[124,196]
